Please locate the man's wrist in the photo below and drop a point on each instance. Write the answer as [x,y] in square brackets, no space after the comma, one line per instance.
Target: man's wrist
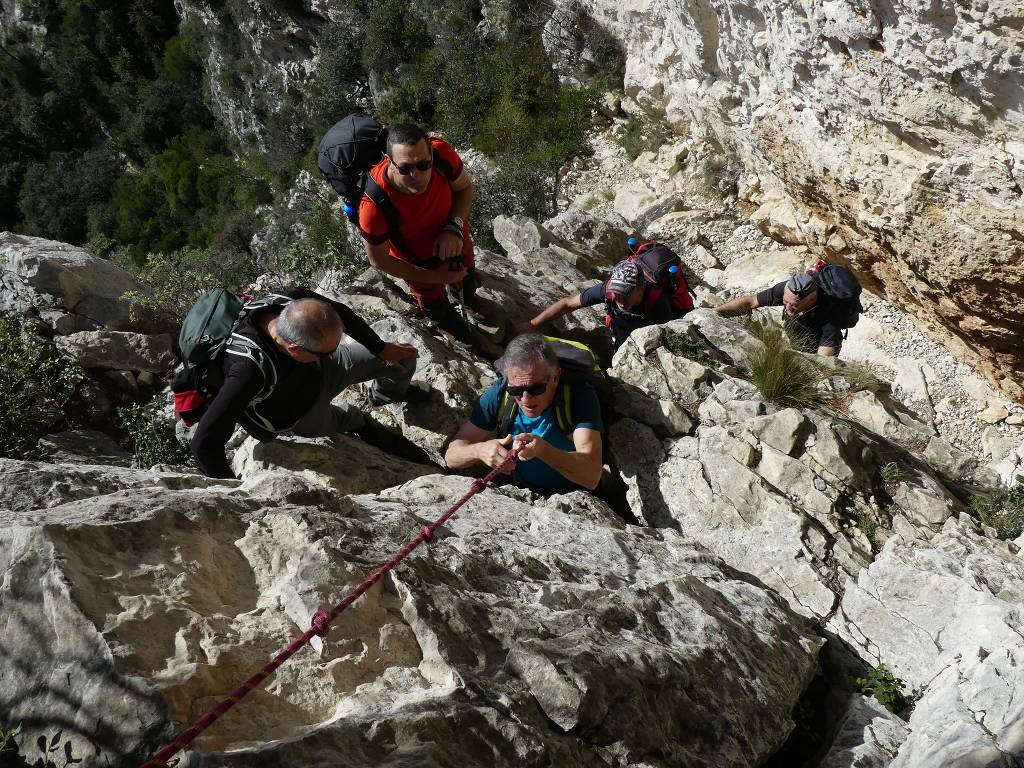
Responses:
[454,225]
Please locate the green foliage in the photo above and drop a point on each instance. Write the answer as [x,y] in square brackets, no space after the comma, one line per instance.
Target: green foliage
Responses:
[891,473]
[641,135]
[1003,509]
[869,527]
[886,687]
[783,375]
[152,436]
[7,738]
[37,384]
[178,278]
[687,346]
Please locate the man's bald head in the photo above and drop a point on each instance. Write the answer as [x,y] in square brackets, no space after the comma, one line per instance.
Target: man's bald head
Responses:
[310,323]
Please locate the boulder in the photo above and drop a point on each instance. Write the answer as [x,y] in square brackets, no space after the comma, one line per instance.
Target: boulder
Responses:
[86,446]
[605,240]
[119,350]
[639,204]
[529,633]
[68,281]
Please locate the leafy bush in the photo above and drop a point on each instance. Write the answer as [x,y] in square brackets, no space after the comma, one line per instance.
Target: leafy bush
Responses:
[783,375]
[178,278]
[641,135]
[886,687]
[1003,509]
[37,384]
[152,435]
[684,345]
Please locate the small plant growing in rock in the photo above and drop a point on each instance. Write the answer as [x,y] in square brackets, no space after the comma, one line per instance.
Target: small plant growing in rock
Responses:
[781,374]
[891,474]
[886,687]
[869,527]
[860,376]
[7,744]
[152,435]
[37,384]
[1003,509]
[640,135]
[687,346]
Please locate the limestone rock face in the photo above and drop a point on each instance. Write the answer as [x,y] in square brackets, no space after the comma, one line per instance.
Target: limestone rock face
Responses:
[885,136]
[796,484]
[120,350]
[72,289]
[539,633]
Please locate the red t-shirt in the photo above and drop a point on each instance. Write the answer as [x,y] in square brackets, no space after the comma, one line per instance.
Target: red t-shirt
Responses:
[420,217]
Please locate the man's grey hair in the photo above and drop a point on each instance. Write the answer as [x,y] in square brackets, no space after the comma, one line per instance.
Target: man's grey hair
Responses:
[527,350]
[310,323]
[405,134]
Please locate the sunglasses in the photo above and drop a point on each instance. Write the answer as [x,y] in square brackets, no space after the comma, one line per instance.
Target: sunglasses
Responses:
[317,355]
[537,388]
[406,169]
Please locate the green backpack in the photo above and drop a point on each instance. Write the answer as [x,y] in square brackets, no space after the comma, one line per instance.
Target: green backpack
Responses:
[207,334]
[579,366]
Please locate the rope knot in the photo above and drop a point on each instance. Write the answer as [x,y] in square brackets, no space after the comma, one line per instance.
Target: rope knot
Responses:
[478,485]
[321,623]
[427,533]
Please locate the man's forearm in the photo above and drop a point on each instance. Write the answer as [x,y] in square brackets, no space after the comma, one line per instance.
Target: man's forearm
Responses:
[461,454]
[580,468]
[741,306]
[555,311]
[403,270]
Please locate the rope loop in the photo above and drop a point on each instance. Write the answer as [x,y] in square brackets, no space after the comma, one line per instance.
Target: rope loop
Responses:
[321,623]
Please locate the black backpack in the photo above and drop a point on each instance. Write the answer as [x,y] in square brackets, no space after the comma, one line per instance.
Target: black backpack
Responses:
[840,284]
[349,149]
[579,366]
[207,334]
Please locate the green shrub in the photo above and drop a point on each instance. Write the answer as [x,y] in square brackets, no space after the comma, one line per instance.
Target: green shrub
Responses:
[781,374]
[641,135]
[886,687]
[178,278]
[37,384]
[869,527]
[687,346]
[1003,509]
[151,435]
[891,473]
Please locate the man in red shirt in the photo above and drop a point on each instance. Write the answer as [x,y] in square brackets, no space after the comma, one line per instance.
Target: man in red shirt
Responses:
[431,192]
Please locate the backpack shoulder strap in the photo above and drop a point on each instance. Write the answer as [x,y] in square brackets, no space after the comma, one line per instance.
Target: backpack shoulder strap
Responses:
[376,193]
[507,410]
[563,410]
[243,346]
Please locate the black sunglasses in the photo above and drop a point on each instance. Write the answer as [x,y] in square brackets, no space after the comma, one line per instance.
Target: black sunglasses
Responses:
[318,355]
[407,168]
[537,388]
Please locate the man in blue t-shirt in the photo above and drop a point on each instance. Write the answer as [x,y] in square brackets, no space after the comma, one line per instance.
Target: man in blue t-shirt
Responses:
[552,458]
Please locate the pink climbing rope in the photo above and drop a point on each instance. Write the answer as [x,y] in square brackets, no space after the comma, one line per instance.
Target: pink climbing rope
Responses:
[321,622]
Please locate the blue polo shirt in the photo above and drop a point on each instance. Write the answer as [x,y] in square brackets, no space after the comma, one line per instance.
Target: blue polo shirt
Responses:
[535,474]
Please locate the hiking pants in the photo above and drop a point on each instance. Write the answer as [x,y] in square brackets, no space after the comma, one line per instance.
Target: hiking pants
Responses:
[350,364]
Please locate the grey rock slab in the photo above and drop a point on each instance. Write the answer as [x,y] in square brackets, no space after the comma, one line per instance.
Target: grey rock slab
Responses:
[972,712]
[923,602]
[531,631]
[119,350]
[598,236]
[867,736]
[343,463]
[87,446]
[59,277]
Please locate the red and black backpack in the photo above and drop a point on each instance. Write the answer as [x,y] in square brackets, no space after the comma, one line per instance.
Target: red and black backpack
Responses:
[662,270]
